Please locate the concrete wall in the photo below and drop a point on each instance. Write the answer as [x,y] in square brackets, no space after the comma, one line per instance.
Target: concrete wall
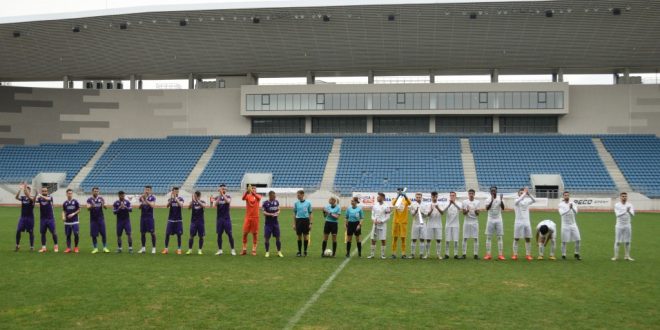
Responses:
[613,109]
[37,115]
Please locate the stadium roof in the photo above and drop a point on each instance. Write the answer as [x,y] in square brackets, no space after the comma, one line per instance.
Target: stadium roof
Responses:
[291,37]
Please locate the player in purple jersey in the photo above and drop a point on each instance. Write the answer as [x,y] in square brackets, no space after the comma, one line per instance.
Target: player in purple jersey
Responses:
[122,208]
[271,209]
[197,206]
[223,219]
[95,206]
[26,220]
[70,210]
[46,219]
[174,220]
[147,223]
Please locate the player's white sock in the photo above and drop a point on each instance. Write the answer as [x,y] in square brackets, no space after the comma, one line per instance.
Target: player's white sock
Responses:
[447,247]
[373,249]
[382,251]
[528,248]
[464,246]
[515,247]
[413,246]
[577,247]
[422,247]
[616,249]
[438,247]
[488,244]
[541,249]
[563,248]
[627,247]
[500,245]
[553,246]
[455,248]
[476,246]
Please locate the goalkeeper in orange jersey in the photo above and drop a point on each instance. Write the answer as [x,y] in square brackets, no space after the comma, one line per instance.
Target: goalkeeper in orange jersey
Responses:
[400,223]
[251,224]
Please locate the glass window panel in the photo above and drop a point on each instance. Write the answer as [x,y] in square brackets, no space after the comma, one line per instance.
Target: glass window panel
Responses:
[391,99]
[249,102]
[458,100]
[369,101]
[320,98]
[466,100]
[265,99]
[257,102]
[541,97]
[550,101]
[559,100]
[508,100]
[426,101]
[483,97]
[296,101]
[450,101]
[336,101]
[442,101]
[304,101]
[516,100]
[344,101]
[352,101]
[384,104]
[524,100]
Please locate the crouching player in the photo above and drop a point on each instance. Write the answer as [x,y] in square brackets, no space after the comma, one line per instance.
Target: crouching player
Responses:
[26,221]
[271,208]
[545,231]
[624,212]
[197,206]
[380,213]
[70,210]
[122,209]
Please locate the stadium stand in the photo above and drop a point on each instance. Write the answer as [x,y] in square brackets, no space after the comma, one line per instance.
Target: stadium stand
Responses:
[507,161]
[384,163]
[129,164]
[22,163]
[638,157]
[294,161]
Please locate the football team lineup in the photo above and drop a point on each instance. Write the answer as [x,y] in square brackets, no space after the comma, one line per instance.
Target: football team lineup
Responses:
[426,224]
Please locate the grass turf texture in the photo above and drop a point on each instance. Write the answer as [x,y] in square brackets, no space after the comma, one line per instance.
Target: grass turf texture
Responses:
[172,291]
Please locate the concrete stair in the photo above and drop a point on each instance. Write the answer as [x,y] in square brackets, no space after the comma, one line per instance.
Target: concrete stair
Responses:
[82,174]
[611,166]
[189,184]
[328,181]
[469,168]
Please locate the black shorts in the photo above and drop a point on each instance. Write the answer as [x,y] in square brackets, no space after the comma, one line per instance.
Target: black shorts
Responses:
[330,228]
[353,229]
[302,226]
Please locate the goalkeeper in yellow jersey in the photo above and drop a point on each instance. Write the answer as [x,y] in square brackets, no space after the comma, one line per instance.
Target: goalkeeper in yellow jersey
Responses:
[400,223]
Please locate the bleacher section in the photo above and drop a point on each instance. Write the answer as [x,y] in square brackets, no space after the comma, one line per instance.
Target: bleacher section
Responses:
[294,161]
[22,163]
[130,164]
[507,161]
[638,157]
[384,163]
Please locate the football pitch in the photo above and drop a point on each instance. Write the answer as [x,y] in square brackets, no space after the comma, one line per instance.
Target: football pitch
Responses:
[118,291]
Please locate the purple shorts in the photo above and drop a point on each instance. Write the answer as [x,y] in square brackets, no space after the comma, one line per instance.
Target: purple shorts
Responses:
[123,226]
[174,228]
[147,225]
[223,225]
[272,228]
[197,228]
[47,224]
[71,229]
[25,224]
[96,228]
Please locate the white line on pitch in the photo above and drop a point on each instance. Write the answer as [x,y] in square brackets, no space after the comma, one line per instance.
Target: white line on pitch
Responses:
[299,314]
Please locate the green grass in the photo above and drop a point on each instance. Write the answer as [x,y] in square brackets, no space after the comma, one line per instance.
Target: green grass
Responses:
[129,291]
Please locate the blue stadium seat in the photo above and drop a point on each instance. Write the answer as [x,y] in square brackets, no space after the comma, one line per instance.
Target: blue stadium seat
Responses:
[130,164]
[638,157]
[22,163]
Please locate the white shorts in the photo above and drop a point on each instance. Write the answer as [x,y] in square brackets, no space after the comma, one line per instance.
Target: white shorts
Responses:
[623,234]
[380,233]
[471,229]
[570,233]
[522,230]
[434,233]
[418,232]
[494,227]
[451,234]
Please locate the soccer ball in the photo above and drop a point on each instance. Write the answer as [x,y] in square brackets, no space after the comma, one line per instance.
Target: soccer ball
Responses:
[327,253]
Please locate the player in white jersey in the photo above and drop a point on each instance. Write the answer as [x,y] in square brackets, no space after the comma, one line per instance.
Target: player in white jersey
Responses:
[452,211]
[624,212]
[546,231]
[434,226]
[494,225]
[471,223]
[569,229]
[417,210]
[380,214]
[522,228]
